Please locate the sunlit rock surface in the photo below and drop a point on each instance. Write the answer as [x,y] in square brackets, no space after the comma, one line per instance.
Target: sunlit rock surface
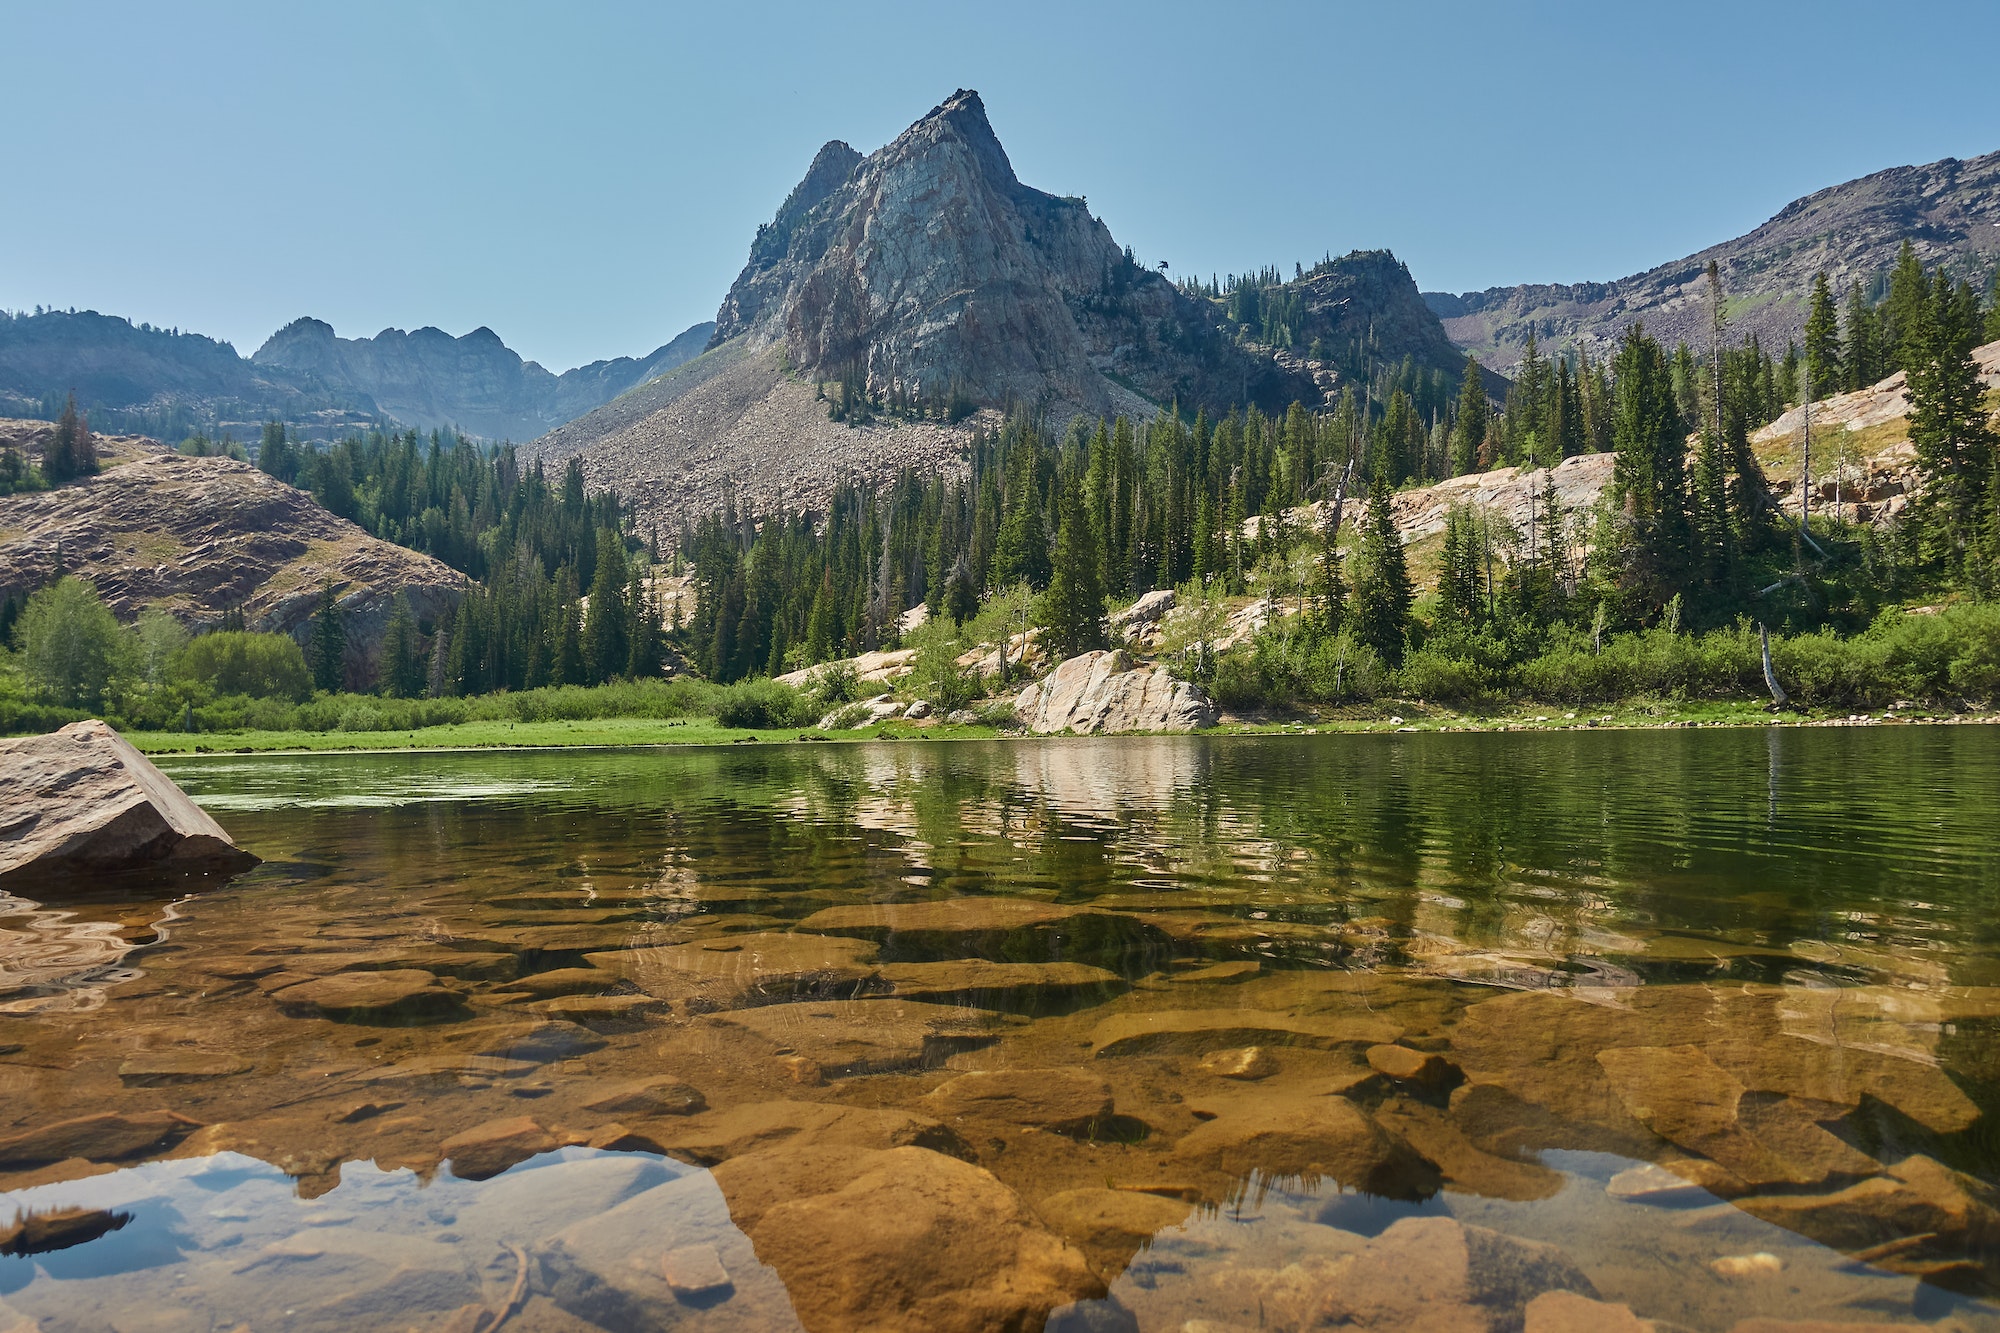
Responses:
[1107,692]
[80,803]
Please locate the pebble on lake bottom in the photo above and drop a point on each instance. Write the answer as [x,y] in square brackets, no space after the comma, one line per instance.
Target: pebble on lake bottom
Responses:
[1760,1264]
[695,1271]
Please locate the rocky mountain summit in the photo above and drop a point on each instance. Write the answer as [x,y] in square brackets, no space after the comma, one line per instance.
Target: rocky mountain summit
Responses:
[929,274]
[428,378]
[929,265]
[1949,210]
[202,537]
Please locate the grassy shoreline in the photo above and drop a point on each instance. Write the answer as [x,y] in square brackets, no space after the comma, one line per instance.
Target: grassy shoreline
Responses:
[1403,717]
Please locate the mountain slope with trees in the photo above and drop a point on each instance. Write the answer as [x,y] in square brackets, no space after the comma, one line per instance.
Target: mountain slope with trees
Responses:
[1949,211]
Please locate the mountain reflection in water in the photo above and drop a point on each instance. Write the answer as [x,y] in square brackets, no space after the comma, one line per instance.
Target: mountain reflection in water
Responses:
[1473,1031]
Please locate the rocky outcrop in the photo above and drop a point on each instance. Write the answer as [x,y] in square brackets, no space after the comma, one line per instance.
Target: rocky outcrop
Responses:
[200,537]
[427,378]
[80,804]
[1949,210]
[1107,691]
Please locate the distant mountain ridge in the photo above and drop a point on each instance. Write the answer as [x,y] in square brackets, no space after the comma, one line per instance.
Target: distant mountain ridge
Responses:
[306,376]
[1949,210]
[476,382]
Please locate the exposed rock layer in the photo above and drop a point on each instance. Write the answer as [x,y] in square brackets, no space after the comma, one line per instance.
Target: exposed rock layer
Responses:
[201,537]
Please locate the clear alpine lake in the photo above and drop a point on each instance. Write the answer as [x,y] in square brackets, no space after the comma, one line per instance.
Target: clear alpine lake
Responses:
[1374,1031]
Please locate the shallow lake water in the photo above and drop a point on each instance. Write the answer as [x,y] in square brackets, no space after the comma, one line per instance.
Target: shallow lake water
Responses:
[1162,1034]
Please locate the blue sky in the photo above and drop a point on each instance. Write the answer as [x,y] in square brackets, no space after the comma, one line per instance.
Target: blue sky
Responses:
[586,178]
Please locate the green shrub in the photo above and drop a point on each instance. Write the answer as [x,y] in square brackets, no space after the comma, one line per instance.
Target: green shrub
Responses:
[259,666]
[1433,675]
[764,704]
[835,683]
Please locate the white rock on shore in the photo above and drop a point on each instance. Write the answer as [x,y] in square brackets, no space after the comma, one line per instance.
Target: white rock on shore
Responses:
[81,802]
[1106,691]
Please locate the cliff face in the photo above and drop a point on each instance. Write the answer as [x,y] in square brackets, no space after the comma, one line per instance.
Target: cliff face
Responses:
[477,383]
[1949,210]
[200,537]
[929,265]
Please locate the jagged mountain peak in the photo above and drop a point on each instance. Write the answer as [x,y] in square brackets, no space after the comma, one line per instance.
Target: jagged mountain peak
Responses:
[928,267]
[959,121]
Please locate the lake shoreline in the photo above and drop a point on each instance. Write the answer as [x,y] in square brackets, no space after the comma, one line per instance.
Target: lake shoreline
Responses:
[639,733]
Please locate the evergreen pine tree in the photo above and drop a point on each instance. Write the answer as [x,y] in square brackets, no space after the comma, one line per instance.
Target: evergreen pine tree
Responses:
[1021,551]
[1383,593]
[276,454]
[648,635]
[1823,374]
[327,650]
[1948,427]
[606,634]
[1072,610]
[1714,532]
[1204,540]
[1649,477]
[1859,355]
[1330,594]
[1469,431]
[1461,597]
[72,452]
[961,598]
[438,681]
[1902,313]
[402,672]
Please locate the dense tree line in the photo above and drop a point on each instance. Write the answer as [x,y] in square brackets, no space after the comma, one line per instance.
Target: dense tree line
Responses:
[562,592]
[1692,532]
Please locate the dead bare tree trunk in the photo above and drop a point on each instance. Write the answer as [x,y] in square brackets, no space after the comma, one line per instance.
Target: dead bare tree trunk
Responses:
[1778,696]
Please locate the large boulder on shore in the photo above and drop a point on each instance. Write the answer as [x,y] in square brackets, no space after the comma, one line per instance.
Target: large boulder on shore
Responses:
[1108,691]
[81,803]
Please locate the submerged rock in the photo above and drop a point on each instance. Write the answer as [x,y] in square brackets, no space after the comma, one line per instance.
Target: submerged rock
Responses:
[1001,929]
[1434,1272]
[108,1137]
[664,1095]
[976,981]
[369,997]
[943,1244]
[718,1136]
[847,1037]
[1068,1101]
[1311,1138]
[732,969]
[1110,1225]
[484,1151]
[1106,691]
[81,803]
[1197,1031]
